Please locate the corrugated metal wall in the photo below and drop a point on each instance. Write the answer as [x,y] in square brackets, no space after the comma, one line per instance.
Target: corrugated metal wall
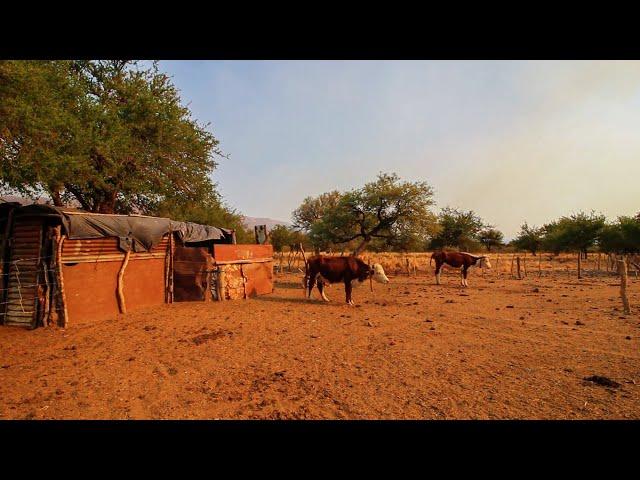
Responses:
[106,250]
[90,269]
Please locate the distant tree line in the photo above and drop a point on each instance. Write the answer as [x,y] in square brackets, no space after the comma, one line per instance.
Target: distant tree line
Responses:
[392,215]
[582,232]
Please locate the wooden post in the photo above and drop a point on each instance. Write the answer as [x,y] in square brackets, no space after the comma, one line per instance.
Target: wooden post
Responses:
[622,270]
[599,254]
[244,282]
[539,264]
[512,259]
[47,305]
[120,293]
[579,264]
[171,266]
[63,296]
[5,238]
[518,262]
[167,271]
[289,258]
[221,280]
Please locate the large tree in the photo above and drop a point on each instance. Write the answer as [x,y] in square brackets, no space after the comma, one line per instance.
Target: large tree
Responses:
[577,232]
[458,229]
[386,208]
[313,209]
[112,136]
[621,236]
[490,237]
[529,238]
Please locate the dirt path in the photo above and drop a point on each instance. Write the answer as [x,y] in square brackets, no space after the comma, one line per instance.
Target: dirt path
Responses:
[499,349]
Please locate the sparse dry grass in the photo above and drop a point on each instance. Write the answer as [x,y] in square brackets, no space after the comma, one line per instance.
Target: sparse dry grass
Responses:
[540,264]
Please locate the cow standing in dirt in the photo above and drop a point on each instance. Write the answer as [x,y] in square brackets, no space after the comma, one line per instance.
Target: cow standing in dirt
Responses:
[350,270]
[458,260]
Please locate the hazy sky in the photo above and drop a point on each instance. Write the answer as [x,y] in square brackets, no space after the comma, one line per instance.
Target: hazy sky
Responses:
[513,141]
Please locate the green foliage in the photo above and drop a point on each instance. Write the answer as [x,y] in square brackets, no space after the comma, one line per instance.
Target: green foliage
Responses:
[210,210]
[577,232]
[386,209]
[280,237]
[110,135]
[622,236]
[458,229]
[313,209]
[529,238]
[490,238]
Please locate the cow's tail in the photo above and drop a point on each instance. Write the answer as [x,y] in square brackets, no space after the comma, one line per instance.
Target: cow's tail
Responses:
[431,259]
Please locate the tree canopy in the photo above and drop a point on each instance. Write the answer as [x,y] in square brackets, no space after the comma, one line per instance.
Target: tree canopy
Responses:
[112,136]
[490,238]
[313,209]
[457,228]
[621,236]
[577,232]
[386,209]
[282,236]
[529,238]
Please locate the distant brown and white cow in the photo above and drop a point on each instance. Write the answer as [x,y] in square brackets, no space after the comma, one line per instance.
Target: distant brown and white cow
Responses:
[458,260]
[350,270]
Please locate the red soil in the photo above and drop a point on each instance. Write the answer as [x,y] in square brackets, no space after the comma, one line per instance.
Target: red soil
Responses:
[411,349]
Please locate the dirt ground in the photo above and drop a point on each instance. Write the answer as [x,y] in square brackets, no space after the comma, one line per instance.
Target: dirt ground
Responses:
[502,348]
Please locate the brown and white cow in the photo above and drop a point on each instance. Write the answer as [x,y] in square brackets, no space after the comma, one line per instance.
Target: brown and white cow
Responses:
[350,270]
[458,260]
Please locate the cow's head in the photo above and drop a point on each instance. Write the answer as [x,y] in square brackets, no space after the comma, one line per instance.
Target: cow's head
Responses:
[484,262]
[377,273]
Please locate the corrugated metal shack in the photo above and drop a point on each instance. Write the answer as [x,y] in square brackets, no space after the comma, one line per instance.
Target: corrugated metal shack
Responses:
[66,266]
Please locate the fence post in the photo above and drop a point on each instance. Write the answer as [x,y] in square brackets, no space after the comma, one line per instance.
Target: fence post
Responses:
[539,264]
[579,264]
[622,270]
[518,262]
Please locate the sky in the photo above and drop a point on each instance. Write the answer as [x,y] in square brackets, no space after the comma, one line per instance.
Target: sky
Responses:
[514,141]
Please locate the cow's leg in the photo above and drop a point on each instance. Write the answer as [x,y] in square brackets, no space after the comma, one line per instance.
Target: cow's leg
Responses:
[438,267]
[347,289]
[321,286]
[312,282]
[464,276]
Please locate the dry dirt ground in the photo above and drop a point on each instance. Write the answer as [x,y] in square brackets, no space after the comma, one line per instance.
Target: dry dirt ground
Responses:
[502,348]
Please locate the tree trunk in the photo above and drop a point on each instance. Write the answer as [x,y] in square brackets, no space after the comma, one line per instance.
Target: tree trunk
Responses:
[57,200]
[361,247]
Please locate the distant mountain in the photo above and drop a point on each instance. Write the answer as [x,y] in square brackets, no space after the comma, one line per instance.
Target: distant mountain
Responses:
[251,222]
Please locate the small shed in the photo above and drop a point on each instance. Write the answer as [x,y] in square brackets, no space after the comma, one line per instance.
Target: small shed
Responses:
[66,266]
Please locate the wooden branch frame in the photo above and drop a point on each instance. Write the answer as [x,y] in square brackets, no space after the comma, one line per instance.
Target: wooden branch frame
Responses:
[120,293]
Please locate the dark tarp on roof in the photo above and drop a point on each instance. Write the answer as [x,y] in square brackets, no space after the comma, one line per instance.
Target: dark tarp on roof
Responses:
[136,233]
[194,232]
